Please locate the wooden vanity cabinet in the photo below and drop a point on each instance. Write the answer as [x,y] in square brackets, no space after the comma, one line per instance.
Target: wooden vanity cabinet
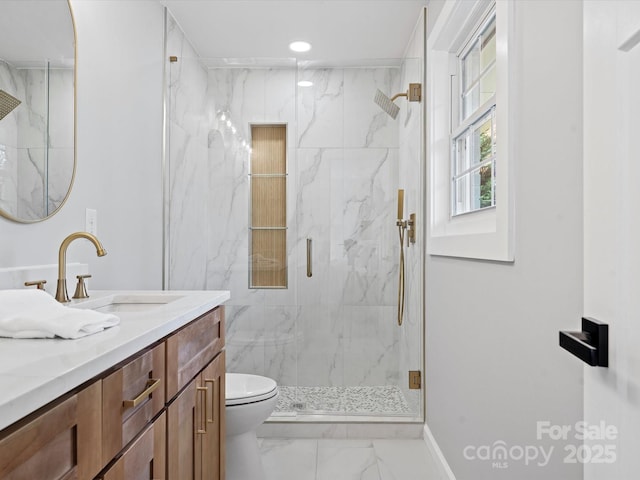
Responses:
[213,445]
[145,458]
[61,443]
[190,349]
[131,397]
[159,416]
[195,424]
[195,417]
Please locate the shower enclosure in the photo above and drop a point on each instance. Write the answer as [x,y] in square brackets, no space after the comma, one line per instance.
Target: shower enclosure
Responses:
[314,290]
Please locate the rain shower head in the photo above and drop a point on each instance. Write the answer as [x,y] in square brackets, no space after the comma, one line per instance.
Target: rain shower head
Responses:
[386,104]
[414,94]
[7,104]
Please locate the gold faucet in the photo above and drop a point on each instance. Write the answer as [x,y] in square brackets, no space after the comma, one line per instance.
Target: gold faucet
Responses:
[61,291]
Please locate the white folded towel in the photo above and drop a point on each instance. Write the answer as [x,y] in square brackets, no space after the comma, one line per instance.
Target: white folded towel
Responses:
[36,314]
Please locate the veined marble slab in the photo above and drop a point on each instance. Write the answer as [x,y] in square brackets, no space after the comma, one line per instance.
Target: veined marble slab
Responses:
[33,372]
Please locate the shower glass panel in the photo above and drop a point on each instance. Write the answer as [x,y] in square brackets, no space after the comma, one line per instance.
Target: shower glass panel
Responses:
[330,340]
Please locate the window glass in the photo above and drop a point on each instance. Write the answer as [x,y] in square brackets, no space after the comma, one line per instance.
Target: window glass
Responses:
[474,166]
[474,144]
[478,69]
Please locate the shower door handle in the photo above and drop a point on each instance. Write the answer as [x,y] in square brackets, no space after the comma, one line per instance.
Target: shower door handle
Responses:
[309,266]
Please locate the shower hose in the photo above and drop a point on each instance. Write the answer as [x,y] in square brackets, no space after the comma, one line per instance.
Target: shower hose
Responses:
[401,232]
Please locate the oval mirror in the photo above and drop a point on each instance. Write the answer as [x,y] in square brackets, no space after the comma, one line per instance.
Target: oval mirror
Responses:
[37,108]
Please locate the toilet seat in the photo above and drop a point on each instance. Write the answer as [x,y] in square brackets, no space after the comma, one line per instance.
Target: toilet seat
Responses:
[241,388]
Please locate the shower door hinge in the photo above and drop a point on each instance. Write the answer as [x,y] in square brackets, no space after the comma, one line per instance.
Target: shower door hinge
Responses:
[415,379]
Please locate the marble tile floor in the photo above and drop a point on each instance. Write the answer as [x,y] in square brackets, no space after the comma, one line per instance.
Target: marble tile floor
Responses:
[333,459]
[374,400]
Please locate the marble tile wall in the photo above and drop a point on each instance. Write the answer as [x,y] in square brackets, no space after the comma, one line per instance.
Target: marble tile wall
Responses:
[332,328]
[61,135]
[32,138]
[339,326]
[188,174]
[36,140]
[8,179]
[10,82]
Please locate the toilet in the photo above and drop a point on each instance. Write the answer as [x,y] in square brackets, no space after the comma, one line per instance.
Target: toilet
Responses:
[249,400]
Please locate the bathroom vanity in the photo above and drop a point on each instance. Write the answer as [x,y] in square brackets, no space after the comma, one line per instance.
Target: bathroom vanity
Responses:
[144,399]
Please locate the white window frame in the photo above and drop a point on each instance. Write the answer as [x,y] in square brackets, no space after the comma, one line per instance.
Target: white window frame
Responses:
[485,233]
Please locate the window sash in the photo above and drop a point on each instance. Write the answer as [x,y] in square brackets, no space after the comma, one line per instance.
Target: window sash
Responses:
[478,37]
[480,77]
[470,167]
[481,112]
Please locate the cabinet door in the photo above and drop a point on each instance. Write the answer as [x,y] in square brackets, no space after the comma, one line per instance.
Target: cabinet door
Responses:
[131,397]
[186,425]
[189,350]
[196,427]
[62,443]
[213,453]
[144,459]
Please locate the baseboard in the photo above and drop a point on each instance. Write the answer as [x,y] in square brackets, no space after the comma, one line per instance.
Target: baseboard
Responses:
[441,462]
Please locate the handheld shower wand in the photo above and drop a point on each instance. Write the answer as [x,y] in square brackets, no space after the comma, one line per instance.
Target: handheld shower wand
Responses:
[403,225]
[401,230]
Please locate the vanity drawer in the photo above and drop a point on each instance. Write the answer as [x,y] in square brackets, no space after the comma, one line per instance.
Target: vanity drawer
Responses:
[144,458]
[131,397]
[192,348]
[61,443]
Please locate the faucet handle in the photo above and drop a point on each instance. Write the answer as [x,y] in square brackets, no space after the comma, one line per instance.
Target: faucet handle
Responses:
[81,287]
[39,284]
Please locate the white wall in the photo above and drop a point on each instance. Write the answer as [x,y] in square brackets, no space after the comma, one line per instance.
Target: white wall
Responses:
[494,367]
[119,141]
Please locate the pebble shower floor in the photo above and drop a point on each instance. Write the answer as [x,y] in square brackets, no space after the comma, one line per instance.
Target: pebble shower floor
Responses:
[376,400]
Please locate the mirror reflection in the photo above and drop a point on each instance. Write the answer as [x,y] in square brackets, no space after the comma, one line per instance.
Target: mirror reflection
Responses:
[37,107]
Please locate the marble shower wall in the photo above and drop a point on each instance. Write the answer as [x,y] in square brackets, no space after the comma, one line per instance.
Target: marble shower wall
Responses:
[188,177]
[61,135]
[344,155]
[337,327]
[11,83]
[36,140]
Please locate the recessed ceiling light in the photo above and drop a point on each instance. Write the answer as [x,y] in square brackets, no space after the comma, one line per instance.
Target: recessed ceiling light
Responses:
[300,46]
[305,83]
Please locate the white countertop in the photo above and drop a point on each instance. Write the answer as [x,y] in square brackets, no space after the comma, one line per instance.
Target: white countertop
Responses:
[34,372]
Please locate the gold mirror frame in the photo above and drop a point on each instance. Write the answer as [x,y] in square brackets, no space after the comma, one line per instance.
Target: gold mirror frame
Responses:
[75,132]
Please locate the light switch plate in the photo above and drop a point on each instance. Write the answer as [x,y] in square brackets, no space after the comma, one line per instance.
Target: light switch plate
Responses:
[91,221]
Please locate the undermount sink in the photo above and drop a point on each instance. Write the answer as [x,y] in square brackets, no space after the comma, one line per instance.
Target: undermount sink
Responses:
[131,302]
[127,307]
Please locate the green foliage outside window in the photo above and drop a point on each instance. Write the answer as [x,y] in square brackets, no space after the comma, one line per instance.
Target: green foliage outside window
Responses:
[485,172]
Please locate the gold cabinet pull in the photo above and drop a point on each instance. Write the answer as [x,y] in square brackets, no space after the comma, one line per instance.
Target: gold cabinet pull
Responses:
[208,381]
[202,410]
[152,384]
